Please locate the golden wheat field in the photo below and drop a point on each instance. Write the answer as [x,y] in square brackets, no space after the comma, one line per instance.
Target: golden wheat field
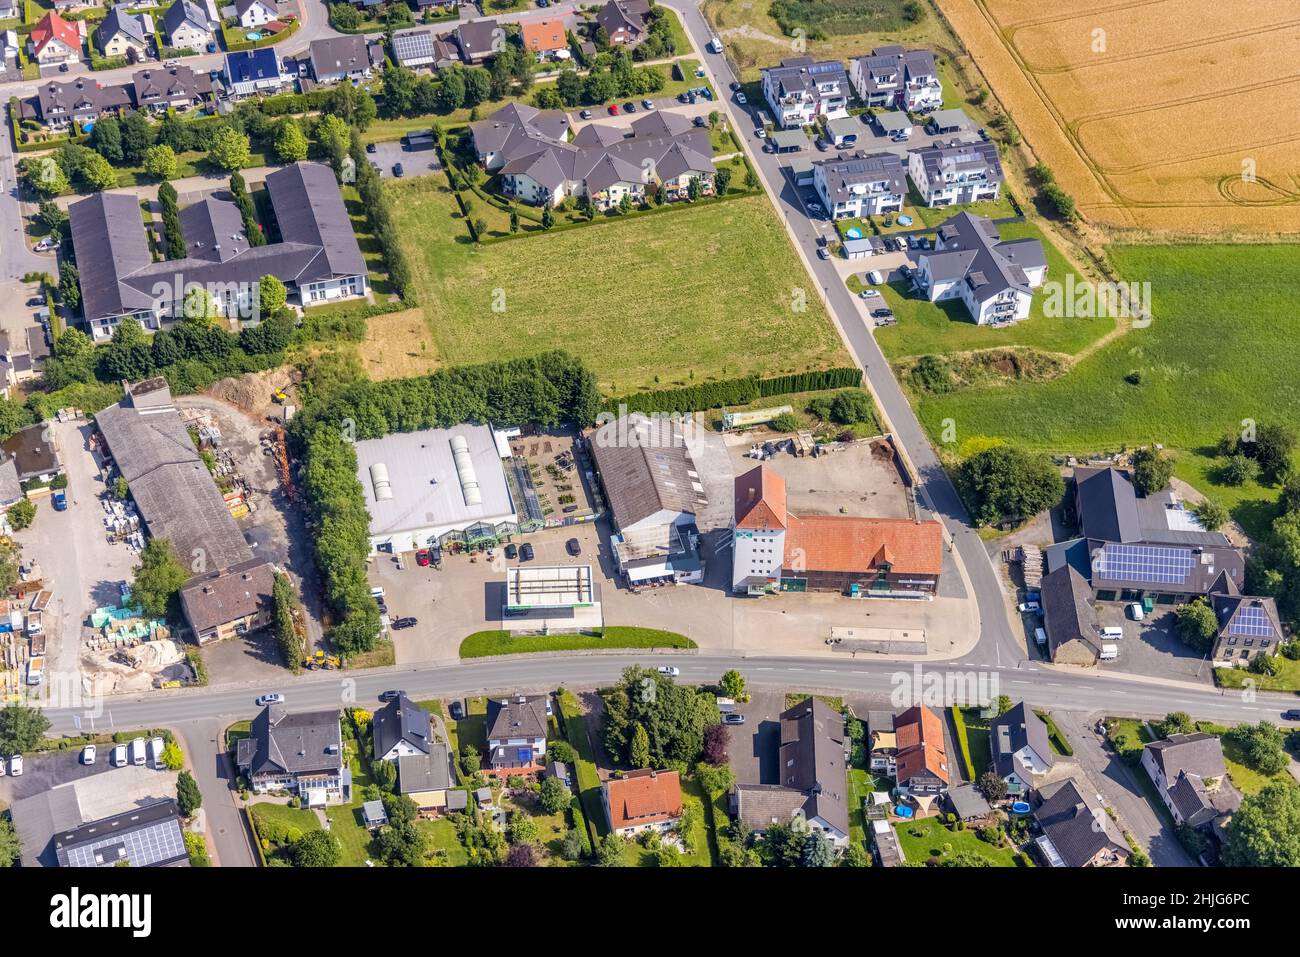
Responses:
[1179,115]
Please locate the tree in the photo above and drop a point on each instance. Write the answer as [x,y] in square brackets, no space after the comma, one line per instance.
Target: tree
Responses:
[639,750]
[571,846]
[173,237]
[1196,625]
[611,851]
[714,750]
[1240,469]
[106,139]
[316,849]
[714,778]
[172,758]
[160,162]
[229,149]
[965,859]
[52,216]
[992,786]
[271,296]
[332,135]
[1152,470]
[852,406]
[855,855]
[21,514]
[1211,515]
[1175,722]
[158,578]
[10,848]
[548,217]
[98,173]
[1265,830]
[1007,483]
[721,181]
[732,684]
[138,134]
[1263,746]
[121,490]
[21,728]
[45,176]
[188,796]
[561,751]
[469,760]
[554,796]
[1274,443]
[817,850]
[521,855]
[523,830]
[290,142]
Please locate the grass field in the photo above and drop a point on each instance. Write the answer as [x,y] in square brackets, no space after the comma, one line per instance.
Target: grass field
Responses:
[934,840]
[662,299]
[485,644]
[1161,152]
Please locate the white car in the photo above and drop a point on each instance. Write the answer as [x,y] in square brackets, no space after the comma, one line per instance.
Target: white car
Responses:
[46,244]
[869,294]
[875,278]
[669,670]
[16,765]
[1028,606]
[741,98]
[88,754]
[1135,611]
[118,757]
[272,698]
[761,133]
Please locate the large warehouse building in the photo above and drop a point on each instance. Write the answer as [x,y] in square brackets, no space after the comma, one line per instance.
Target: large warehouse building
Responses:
[436,487]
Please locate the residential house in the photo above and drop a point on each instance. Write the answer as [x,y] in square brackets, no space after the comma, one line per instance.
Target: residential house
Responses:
[1191,778]
[882,743]
[122,34]
[1249,626]
[16,361]
[544,38]
[426,779]
[922,759]
[994,279]
[864,184]
[968,804]
[811,764]
[802,89]
[653,488]
[624,21]
[34,453]
[644,800]
[1069,619]
[1021,749]
[537,163]
[478,40]
[74,103]
[54,40]
[892,76]
[170,87]
[300,752]
[1076,832]
[516,734]
[318,257]
[401,729]
[147,835]
[187,27]
[335,59]
[11,10]
[230,602]
[254,71]
[956,174]
[421,48]
[254,13]
[775,549]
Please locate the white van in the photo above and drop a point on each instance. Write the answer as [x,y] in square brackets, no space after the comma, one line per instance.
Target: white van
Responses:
[137,751]
[155,753]
[1112,632]
[1109,652]
[1040,636]
[118,758]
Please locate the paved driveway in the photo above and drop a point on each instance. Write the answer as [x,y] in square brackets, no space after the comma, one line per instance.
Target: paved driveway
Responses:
[415,162]
[752,746]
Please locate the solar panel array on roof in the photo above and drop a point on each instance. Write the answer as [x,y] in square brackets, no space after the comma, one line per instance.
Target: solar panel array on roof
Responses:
[1145,563]
[148,837]
[1252,621]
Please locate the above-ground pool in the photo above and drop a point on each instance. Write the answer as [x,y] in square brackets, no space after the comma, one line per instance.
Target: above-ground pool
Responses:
[1020,807]
[905,220]
[853,233]
[253,36]
[902,811]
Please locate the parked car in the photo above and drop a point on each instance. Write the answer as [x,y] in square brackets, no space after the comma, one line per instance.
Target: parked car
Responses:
[824,253]
[869,294]
[887,318]
[118,757]
[815,208]
[526,552]
[272,698]
[1028,606]
[46,245]
[88,754]
[1135,611]
[984,134]
[16,765]
[648,104]
[733,86]
[699,121]
[761,133]
[398,171]
[422,558]
[371,148]
[405,622]
[669,670]
[573,547]
[613,109]
[741,99]
[585,115]
[875,278]
[629,107]
[457,710]
[733,717]
[390,695]
[512,551]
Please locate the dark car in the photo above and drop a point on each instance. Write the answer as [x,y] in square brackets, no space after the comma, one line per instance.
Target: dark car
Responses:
[880,313]
[699,121]
[390,695]
[733,717]
[407,622]
[512,552]
[629,107]
[422,557]
[1292,715]
[457,710]
[573,547]
[526,552]
[370,147]
[734,86]
[398,171]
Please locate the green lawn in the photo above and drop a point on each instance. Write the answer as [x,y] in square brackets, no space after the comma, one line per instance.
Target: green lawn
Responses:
[1060,744]
[484,644]
[1287,679]
[925,327]
[445,845]
[585,774]
[975,739]
[703,292]
[1219,351]
[934,840]
[634,855]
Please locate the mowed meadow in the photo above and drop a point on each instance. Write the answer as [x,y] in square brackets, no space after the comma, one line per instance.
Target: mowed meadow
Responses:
[684,295]
[1222,348]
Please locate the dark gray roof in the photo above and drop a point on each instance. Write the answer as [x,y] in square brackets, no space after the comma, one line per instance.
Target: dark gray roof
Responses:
[164,84]
[1076,827]
[345,54]
[182,12]
[477,38]
[309,211]
[890,67]
[1162,567]
[219,597]
[1246,616]
[148,836]
[457,799]
[402,720]
[119,21]
[424,772]
[33,452]
[811,760]
[80,99]
[517,716]
[970,161]
[760,805]
[301,743]
[1196,753]
[108,235]
[967,247]
[642,479]
[804,75]
[623,14]
[875,171]
[1010,732]
[967,802]
[1068,614]
[1106,503]
[213,230]
[38,818]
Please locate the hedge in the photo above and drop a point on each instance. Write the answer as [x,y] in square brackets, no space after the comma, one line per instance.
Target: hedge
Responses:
[713,395]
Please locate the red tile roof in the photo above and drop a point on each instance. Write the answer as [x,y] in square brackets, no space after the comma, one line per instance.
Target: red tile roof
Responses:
[760,499]
[544,35]
[847,543]
[644,797]
[919,734]
[53,26]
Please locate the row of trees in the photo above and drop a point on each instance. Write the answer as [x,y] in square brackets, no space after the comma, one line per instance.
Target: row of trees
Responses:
[608,79]
[715,395]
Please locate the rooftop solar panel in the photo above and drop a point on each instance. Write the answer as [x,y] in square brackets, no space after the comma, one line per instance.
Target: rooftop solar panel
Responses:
[1251,621]
[1145,563]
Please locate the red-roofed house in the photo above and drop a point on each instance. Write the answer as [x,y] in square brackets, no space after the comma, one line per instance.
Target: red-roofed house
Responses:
[55,40]
[922,758]
[874,557]
[544,37]
[642,801]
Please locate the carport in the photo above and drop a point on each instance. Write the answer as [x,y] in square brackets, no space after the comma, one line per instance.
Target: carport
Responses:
[788,141]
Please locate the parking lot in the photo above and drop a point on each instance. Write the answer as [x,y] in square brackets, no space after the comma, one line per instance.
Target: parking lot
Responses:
[415,162]
[1150,646]
[102,785]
